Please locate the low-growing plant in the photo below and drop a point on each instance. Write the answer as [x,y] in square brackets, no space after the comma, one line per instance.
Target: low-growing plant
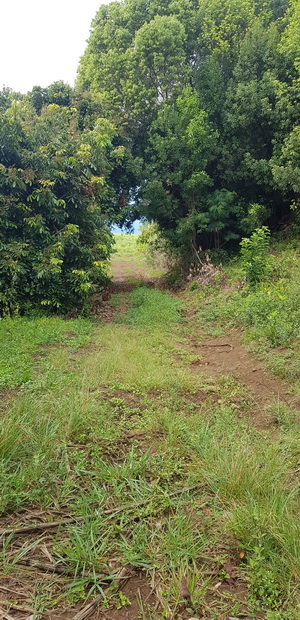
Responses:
[254,251]
[264,588]
[151,307]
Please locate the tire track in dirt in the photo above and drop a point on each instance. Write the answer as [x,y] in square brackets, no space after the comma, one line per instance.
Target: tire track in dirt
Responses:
[227,356]
[221,356]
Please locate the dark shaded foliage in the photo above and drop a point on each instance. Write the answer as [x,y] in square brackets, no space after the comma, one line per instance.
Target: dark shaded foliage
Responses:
[207,97]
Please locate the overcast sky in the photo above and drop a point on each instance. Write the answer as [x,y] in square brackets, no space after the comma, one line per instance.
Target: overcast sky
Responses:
[42,41]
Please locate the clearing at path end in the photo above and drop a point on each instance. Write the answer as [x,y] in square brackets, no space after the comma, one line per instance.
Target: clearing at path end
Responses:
[130,264]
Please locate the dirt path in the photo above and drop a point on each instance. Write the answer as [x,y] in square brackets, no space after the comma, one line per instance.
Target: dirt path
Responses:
[228,356]
[214,358]
[221,566]
[221,356]
[127,273]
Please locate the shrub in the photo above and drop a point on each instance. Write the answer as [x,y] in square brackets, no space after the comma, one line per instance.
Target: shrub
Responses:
[54,237]
[254,251]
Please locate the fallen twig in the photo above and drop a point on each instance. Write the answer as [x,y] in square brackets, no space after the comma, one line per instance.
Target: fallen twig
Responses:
[29,610]
[121,577]
[60,569]
[10,591]
[47,566]
[22,608]
[88,609]
[109,511]
[47,553]
[217,346]
[4,614]
[38,526]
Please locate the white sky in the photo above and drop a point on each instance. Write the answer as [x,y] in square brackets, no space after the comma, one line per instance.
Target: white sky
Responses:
[42,41]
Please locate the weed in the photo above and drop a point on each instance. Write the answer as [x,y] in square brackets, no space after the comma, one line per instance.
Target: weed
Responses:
[122,600]
[254,252]
[264,589]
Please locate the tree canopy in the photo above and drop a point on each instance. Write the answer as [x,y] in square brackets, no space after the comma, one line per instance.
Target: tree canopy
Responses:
[206,97]
[185,113]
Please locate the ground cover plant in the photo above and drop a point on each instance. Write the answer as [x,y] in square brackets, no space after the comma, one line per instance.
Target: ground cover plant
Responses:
[21,339]
[169,498]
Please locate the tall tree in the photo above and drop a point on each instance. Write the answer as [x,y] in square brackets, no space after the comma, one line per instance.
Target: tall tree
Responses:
[55,204]
[226,159]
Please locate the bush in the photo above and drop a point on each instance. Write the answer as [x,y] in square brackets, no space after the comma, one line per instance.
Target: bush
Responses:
[54,238]
[254,251]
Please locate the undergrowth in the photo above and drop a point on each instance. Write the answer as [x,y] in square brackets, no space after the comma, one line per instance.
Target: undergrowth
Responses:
[270,311]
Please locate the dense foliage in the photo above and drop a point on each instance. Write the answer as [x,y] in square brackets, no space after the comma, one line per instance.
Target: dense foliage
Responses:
[206,96]
[184,113]
[56,197]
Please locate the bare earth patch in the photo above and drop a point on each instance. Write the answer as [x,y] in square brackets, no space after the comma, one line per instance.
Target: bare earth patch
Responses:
[227,356]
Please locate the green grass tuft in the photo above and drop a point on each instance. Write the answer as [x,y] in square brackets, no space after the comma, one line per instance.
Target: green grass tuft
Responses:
[21,338]
[153,308]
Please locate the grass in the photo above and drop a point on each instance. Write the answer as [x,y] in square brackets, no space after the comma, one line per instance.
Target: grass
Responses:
[133,255]
[152,308]
[22,338]
[126,246]
[109,416]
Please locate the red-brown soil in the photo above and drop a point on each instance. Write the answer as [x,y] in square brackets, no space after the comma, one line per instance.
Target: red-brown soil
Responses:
[228,356]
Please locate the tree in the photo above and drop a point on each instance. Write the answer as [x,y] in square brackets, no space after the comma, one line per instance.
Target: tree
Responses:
[205,97]
[55,204]
[158,61]
[181,145]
